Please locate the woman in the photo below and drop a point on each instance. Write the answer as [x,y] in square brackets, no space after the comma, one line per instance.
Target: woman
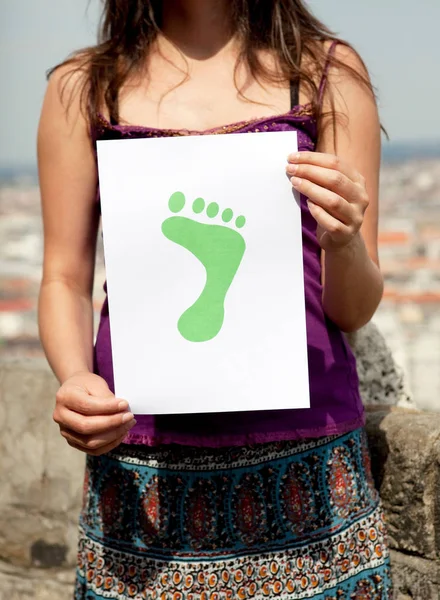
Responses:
[243,505]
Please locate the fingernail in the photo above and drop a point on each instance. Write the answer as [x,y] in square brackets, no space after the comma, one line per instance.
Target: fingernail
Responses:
[294,157]
[127,417]
[292,169]
[296,182]
[123,405]
[131,424]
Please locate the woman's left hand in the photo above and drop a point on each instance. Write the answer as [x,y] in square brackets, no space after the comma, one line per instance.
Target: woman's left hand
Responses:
[336,195]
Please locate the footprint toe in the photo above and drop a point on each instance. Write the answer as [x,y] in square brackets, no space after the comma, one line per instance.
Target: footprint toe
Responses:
[240,222]
[176,202]
[198,205]
[227,215]
[212,210]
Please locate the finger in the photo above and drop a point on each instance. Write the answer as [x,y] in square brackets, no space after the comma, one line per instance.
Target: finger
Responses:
[89,425]
[338,231]
[328,161]
[98,441]
[334,204]
[78,400]
[329,179]
[100,451]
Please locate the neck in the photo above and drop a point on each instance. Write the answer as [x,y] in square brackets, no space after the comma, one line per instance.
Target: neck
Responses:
[199,28]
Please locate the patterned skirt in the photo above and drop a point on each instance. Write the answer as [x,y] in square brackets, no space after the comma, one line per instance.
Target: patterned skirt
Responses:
[284,520]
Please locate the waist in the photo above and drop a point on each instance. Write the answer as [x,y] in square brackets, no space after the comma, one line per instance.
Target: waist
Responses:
[215,431]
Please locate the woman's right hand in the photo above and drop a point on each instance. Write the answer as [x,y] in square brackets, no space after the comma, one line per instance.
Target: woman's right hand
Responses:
[91,419]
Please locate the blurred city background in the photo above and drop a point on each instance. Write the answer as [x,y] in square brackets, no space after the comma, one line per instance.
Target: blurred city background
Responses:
[397,41]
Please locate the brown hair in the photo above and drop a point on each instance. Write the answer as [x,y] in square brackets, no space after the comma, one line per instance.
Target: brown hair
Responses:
[129,28]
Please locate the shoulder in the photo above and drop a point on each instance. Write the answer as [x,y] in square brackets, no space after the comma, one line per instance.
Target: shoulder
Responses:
[348,104]
[64,111]
[344,68]
[334,61]
[68,85]
[344,53]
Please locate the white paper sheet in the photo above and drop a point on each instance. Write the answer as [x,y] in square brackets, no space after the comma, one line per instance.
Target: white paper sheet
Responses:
[203,252]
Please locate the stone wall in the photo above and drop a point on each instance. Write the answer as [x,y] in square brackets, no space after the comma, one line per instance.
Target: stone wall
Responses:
[41,479]
[41,484]
[405,448]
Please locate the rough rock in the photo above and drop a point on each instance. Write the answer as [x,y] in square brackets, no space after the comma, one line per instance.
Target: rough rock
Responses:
[405,449]
[382,381]
[41,475]
[35,584]
[415,578]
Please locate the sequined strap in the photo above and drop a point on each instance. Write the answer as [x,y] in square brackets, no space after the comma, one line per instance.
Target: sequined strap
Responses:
[324,77]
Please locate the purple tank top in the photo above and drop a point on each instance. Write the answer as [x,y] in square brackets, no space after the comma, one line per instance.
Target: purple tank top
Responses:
[336,405]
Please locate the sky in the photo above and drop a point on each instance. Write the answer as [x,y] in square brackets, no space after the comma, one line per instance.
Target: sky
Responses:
[398,40]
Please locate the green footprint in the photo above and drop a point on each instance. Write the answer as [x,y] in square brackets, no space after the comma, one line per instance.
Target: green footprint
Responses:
[220,249]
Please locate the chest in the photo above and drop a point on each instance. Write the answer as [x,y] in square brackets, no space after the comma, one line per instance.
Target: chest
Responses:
[199,95]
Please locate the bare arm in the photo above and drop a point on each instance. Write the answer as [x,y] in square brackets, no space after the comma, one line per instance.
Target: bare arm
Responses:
[353,284]
[89,416]
[342,181]
[68,182]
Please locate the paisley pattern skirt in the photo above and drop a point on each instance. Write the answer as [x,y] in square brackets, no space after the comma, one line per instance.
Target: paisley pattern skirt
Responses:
[284,520]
